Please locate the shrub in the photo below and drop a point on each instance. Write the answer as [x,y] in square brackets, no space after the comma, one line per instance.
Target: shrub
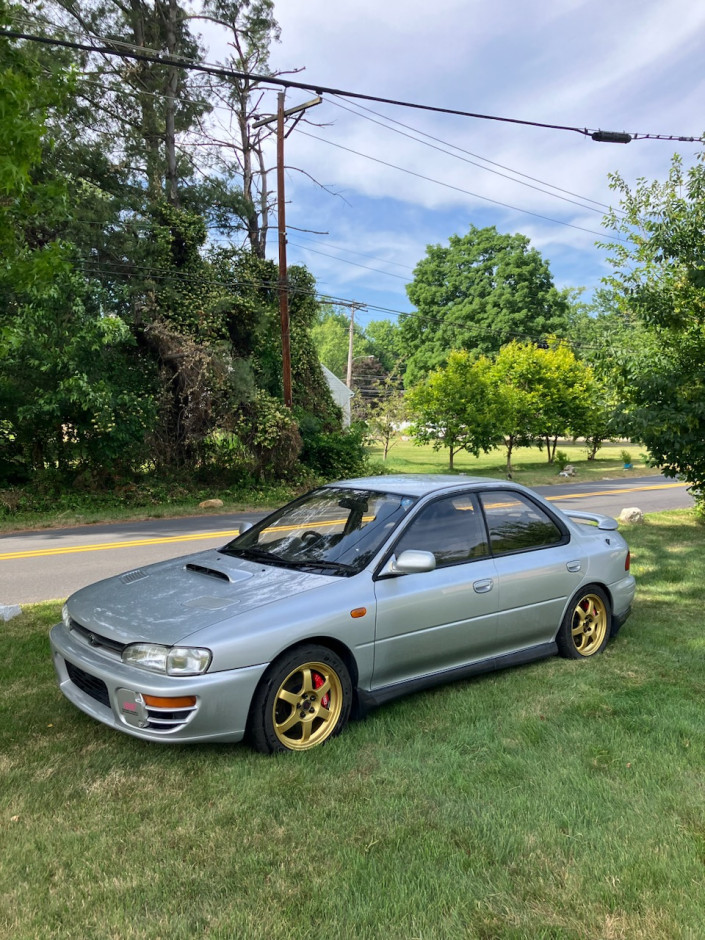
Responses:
[333,455]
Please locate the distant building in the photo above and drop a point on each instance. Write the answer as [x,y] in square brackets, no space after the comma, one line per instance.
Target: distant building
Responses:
[341,394]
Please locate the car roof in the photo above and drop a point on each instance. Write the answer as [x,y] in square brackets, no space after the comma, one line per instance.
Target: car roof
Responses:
[415,484]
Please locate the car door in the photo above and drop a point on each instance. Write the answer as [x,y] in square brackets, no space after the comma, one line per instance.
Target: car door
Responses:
[439,619]
[536,572]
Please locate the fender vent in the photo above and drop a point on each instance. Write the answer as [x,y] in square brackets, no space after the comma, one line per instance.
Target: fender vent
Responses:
[136,575]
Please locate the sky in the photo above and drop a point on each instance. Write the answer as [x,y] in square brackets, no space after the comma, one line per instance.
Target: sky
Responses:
[378,197]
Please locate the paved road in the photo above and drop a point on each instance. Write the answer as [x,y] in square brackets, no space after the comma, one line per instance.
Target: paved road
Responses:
[52,563]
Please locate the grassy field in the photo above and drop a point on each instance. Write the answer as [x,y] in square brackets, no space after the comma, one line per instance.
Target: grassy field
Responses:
[557,800]
[529,464]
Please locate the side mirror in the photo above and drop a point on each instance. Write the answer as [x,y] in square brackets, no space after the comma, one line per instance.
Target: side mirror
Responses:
[243,527]
[412,561]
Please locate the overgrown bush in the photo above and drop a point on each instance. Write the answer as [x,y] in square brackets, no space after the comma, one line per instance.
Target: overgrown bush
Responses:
[333,455]
[268,429]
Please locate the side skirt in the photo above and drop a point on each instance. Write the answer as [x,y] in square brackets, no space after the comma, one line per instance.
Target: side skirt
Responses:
[366,701]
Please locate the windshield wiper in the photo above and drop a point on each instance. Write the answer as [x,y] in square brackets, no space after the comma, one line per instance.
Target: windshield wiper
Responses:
[327,565]
[255,554]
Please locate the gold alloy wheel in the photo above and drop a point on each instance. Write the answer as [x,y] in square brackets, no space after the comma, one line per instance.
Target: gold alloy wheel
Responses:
[307,706]
[589,624]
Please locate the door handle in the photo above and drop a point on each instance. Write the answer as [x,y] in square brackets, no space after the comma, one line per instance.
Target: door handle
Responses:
[482,587]
[574,565]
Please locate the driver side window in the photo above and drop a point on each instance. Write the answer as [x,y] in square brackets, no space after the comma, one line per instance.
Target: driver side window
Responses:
[452,528]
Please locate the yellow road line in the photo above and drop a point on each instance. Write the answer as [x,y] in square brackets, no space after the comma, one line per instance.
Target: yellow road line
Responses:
[231,533]
[628,489]
[69,550]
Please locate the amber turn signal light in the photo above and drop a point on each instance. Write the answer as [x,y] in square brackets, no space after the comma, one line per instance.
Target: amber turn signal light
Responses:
[155,701]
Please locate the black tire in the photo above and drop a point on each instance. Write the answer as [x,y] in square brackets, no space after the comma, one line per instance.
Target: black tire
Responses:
[587,624]
[303,700]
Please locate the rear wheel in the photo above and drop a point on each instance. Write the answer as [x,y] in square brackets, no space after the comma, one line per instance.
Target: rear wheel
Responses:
[303,700]
[585,629]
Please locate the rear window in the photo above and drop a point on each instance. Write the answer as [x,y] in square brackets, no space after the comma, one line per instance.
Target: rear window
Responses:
[517,524]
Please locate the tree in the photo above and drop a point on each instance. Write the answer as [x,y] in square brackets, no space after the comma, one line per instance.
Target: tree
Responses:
[71,383]
[385,339]
[659,284]
[126,323]
[515,377]
[457,407]
[568,395]
[477,293]
[331,335]
[386,411]
[251,29]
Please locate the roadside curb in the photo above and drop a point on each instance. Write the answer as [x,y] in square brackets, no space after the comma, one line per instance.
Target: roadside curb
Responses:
[8,611]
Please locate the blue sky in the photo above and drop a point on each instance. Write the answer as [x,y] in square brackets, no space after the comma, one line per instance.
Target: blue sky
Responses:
[624,65]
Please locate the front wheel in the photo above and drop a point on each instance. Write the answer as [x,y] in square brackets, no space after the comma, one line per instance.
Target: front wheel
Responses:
[303,700]
[586,625]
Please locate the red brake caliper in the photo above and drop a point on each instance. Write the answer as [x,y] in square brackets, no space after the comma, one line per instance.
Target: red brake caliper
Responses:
[318,682]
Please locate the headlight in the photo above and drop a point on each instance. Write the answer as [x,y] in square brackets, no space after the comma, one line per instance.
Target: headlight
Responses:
[65,616]
[171,660]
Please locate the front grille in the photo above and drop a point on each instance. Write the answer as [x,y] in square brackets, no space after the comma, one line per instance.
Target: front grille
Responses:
[91,685]
[96,640]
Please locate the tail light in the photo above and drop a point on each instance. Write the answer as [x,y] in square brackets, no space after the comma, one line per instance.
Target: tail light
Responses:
[628,561]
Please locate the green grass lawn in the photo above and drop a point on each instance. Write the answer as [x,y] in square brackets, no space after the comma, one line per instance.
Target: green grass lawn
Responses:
[556,800]
[529,465]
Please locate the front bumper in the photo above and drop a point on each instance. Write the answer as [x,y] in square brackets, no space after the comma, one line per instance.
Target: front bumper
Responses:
[211,707]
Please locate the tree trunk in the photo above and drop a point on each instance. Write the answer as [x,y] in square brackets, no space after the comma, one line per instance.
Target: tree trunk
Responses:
[172,191]
[510,447]
[150,125]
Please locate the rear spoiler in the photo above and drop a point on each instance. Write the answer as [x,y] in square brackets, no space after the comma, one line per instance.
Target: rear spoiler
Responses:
[602,522]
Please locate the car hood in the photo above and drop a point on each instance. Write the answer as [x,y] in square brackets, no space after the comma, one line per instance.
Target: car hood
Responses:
[167,602]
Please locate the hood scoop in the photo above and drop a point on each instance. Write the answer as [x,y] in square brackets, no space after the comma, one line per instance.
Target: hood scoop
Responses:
[208,572]
[230,577]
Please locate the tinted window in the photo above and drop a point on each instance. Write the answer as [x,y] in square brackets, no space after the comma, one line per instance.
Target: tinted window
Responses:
[516,523]
[452,528]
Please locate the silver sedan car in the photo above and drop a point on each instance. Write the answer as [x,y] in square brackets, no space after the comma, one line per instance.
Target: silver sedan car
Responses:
[358,592]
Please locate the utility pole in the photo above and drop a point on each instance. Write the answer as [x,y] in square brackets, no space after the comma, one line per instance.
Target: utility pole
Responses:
[353,309]
[281,212]
[283,281]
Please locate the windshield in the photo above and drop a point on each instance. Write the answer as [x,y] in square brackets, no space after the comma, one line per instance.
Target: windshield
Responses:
[333,529]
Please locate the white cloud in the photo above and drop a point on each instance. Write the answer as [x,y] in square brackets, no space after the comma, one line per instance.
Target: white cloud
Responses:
[614,64]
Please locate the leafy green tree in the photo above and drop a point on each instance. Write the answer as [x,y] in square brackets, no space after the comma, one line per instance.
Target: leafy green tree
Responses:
[478,293]
[385,339]
[457,407]
[386,411]
[547,393]
[516,378]
[331,335]
[568,395]
[659,286]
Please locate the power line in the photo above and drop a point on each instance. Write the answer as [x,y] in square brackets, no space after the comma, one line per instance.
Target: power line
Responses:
[356,264]
[458,189]
[386,122]
[157,58]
